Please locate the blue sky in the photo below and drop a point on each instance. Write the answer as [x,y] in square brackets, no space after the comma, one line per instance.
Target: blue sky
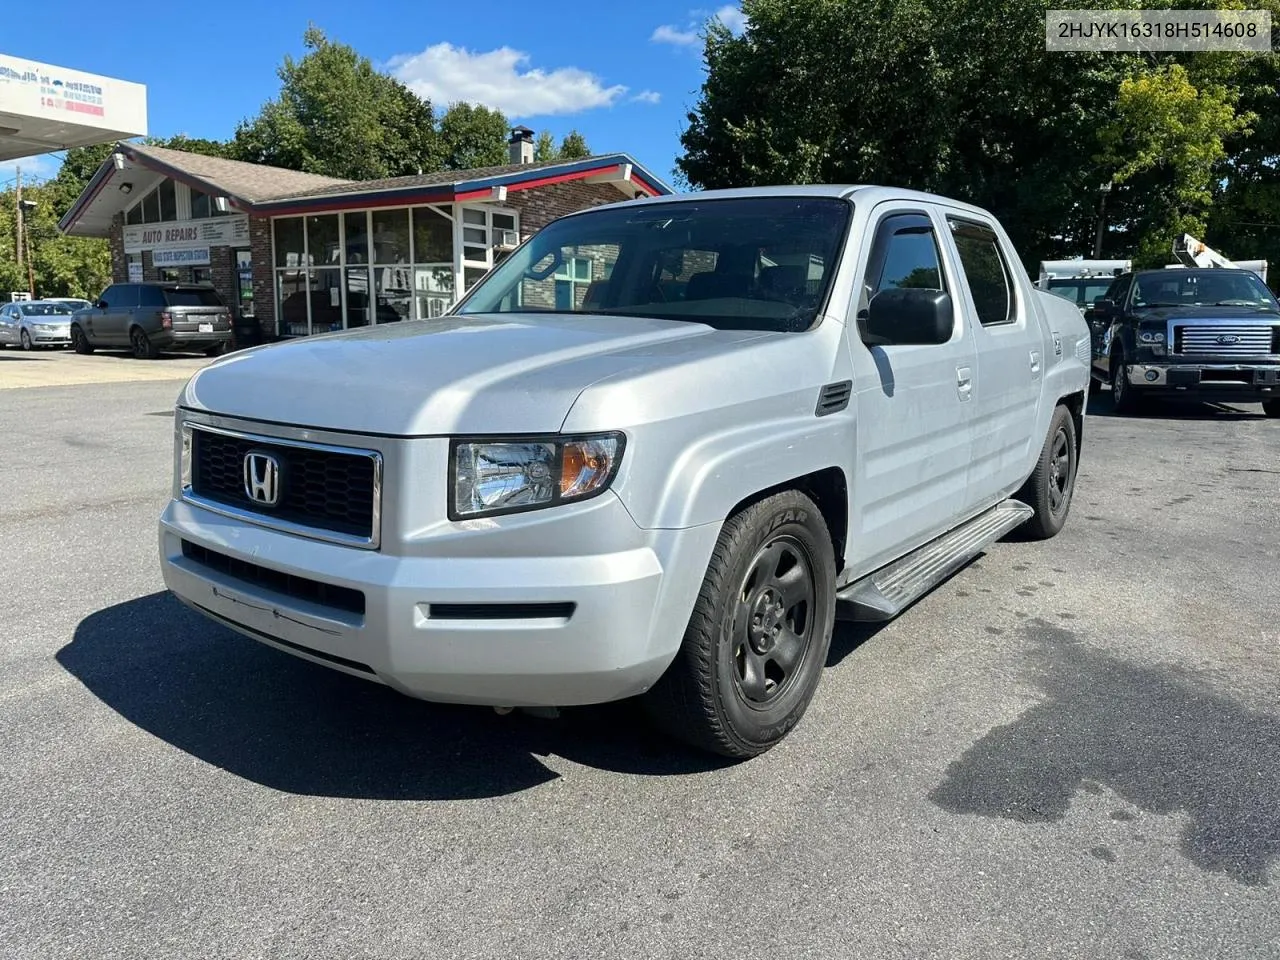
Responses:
[624,76]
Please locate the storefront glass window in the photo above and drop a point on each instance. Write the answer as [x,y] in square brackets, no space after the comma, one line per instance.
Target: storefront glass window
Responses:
[288,231]
[357,297]
[434,289]
[395,293]
[391,236]
[135,214]
[432,237]
[168,201]
[326,300]
[323,247]
[472,275]
[357,227]
[291,294]
[151,208]
[199,205]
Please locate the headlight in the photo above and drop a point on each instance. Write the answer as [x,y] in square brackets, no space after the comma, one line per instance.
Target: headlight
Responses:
[1147,336]
[505,476]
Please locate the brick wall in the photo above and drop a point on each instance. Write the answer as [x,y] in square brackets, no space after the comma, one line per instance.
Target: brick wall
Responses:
[115,240]
[541,205]
[264,301]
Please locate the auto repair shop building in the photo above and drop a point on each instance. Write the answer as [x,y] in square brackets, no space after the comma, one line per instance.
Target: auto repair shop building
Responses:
[301,253]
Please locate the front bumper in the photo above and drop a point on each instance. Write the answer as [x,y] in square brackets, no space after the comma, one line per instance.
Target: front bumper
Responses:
[1226,381]
[495,630]
[50,338]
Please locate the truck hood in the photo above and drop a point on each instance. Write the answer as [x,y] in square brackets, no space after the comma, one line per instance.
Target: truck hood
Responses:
[1190,314]
[513,373]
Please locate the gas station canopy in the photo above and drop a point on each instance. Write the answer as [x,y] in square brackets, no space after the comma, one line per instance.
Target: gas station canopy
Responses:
[45,108]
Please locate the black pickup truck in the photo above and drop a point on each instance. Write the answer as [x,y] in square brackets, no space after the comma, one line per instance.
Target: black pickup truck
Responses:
[1206,334]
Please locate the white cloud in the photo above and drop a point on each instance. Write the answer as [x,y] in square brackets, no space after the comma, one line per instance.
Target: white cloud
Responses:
[674,36]
[730,15]
[34,169]
[733,18]
[500,79]
[647,96]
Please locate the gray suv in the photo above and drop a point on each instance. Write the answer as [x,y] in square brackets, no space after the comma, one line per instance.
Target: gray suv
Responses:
[150,317]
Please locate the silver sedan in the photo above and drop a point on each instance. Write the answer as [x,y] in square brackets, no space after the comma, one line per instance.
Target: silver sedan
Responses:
[35,323]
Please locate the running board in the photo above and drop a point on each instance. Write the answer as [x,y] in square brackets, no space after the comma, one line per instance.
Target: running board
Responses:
[890,590]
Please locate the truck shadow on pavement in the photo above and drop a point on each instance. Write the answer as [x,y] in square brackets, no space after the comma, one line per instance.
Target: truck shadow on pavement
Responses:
[1159,737]
[287,724]
[1101,405]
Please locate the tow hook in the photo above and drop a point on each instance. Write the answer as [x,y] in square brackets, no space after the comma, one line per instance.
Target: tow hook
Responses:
[542,713]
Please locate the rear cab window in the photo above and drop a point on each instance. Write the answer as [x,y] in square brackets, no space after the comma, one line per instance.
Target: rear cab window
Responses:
[986,271]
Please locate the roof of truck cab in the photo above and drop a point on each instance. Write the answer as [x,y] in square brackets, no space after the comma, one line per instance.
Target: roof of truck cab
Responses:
[860,192]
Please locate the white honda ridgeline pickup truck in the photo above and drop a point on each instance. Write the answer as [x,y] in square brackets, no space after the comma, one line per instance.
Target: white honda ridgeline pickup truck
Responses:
[747,413]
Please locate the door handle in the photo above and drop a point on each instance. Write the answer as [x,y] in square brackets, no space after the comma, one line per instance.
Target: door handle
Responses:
[1035,364]
[964,383]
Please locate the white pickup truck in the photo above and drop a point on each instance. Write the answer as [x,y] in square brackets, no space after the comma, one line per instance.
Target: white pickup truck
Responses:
[748,413]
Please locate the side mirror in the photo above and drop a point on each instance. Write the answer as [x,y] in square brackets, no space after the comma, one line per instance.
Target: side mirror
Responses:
[1103,309]
[909,315]
[100,304]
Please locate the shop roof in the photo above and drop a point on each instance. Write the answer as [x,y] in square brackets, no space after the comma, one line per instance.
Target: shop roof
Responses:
[265,190]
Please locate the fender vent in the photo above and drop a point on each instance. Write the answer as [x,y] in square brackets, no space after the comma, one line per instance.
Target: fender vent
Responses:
[834,397]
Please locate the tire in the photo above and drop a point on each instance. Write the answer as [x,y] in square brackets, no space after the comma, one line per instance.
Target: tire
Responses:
[217,350]
[25,337]
[1271,408]
[737,686]
[1049,488]
[143,348]
[79,342]
[1124,395]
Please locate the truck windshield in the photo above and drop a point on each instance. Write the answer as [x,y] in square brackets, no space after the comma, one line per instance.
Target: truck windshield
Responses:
[735,264]
[1201,288]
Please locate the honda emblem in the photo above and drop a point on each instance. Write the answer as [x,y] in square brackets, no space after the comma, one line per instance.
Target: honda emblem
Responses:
[262,478]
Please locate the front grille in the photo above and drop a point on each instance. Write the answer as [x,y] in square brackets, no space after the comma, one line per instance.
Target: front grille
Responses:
[319,488]
[300,588]
[1251,340]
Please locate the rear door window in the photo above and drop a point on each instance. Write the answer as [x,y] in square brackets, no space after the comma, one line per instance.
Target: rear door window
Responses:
[985,271]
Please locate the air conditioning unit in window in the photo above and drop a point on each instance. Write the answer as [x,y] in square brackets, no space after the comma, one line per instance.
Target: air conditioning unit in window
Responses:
[506,239]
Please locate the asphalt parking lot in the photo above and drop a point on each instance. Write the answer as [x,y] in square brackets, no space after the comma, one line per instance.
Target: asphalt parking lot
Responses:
[1070,749]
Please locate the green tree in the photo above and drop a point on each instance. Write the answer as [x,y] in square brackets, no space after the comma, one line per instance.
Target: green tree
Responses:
[472,136]
[545,149]
[62,266]
[337,115]
[961,98]
[573,147]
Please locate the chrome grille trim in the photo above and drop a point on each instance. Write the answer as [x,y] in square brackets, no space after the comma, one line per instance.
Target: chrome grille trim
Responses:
[371,542]
[1251,340]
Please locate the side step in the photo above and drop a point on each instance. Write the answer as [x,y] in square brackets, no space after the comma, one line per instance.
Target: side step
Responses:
[891,589]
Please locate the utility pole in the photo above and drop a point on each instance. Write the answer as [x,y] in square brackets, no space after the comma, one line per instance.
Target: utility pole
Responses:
[20,231]
[1102,219]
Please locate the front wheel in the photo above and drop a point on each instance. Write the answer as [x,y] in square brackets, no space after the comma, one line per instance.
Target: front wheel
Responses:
[1049,488]
[1123,394]
[757,640]
[1271,408]
[26,341]
[79,342]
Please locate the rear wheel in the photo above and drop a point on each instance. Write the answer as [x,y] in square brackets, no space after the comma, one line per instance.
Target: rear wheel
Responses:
[143,348]
[1271,408]
[26,341]
[1048,490]
[757,641]
[79,342]
[217,350]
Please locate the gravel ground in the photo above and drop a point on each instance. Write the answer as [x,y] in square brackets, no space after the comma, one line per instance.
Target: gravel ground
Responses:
[1070,749]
